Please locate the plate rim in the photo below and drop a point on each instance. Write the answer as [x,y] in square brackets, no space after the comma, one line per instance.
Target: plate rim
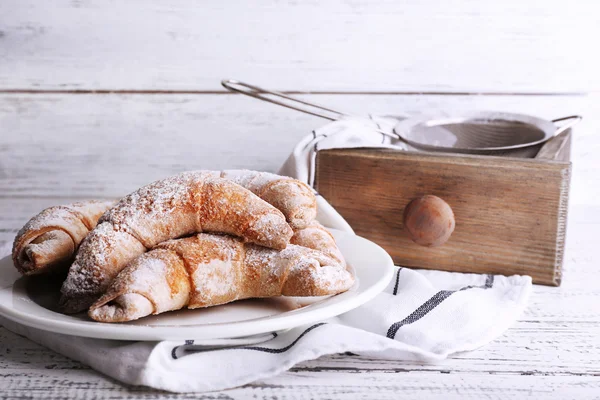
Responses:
[329,307]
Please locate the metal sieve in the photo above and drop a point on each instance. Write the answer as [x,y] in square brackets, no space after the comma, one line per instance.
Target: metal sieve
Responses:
[481,132]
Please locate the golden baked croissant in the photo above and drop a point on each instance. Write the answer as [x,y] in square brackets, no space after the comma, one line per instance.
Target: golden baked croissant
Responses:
[316,236]
[295,199]
[206,270]
[187,203]
[49,240]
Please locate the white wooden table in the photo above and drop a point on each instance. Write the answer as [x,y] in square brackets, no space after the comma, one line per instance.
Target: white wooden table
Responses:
[98,98]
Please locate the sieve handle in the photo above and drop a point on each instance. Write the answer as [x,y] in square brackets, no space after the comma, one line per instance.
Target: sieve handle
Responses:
[573,120]
[292,102]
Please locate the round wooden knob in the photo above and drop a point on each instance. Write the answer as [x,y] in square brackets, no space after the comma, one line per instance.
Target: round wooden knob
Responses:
[429,221]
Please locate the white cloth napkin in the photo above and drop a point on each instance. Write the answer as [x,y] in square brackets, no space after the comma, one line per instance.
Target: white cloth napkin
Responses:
[421,315]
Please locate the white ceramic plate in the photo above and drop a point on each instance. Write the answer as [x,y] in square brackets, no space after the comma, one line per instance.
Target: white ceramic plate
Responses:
[32,300]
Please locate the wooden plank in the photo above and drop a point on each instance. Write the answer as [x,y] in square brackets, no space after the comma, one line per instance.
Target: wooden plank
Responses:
[106,146]
[528,347]
[27,370]
[451,46]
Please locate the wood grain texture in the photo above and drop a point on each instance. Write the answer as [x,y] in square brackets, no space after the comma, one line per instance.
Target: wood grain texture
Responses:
[442,46]
[510,213]
[58,148]
[105,146]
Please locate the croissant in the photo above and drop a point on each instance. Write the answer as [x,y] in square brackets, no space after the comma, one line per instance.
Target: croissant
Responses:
[295,199]
[206,270]
[187,203]
[49,240]
[315,236]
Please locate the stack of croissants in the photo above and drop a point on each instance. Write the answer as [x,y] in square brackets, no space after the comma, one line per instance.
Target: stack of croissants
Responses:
[196,239]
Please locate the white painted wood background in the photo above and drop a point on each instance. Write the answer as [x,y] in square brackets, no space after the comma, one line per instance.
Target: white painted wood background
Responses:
[99,97]
[383,45]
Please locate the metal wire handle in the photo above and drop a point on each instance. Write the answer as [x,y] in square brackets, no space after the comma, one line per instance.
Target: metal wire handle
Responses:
[258,92]
[575,120]
[334,115]
[296,104]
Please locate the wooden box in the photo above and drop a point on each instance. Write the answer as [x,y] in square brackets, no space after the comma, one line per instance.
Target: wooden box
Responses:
[510,213]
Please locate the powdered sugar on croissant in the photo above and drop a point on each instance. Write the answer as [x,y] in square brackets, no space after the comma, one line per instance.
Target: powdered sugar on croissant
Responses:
[293,198]
[315,236]
[49,240]
[177,206]
[206,270]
